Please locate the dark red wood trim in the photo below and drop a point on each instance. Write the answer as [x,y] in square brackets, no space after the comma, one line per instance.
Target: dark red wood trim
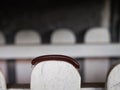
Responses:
[56,57]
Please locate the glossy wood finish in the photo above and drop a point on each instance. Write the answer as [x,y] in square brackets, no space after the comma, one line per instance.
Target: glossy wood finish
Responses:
[56,58]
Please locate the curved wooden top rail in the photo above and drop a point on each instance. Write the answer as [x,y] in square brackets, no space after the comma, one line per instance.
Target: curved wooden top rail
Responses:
[55,57]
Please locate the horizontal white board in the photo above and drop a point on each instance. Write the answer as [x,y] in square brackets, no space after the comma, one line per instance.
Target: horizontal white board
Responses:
[73,50]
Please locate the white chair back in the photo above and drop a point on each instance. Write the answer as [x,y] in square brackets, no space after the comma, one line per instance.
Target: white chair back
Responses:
[23,67]
[95,69]
[28,37]
[63,36]
[113,79]
[55,73]
[2,82]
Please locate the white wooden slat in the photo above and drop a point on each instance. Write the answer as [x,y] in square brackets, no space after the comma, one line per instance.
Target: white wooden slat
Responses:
[95,70]
[81,89]
[23,67]
[76,50]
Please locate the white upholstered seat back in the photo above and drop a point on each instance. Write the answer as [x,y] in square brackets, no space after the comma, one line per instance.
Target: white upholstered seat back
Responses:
[113,79]
[63,36]
[97,35]
[23,67]
[95,69]
[55,75]
[2,82]
[27,37]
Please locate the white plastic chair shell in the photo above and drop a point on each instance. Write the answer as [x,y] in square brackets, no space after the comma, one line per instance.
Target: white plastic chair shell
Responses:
[63,36]
[23,67]
[55,75]
[95,70]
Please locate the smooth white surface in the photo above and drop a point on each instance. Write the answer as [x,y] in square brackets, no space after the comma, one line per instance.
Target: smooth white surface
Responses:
[76,50]
[95,70]
[23,71]
[113,80]
[23,67]
[55,75]
[63,36]
[2,82]
[97,35]
[80,89]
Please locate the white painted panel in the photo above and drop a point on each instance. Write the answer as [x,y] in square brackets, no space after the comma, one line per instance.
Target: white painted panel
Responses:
[96,69]
[76,50]
[23,68]
[55,75]
[63,36]
[113,80]
[80,89]
[2,82]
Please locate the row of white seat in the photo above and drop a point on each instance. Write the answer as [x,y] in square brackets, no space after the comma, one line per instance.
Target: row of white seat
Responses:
[94,70]
[32,37]
[60,72]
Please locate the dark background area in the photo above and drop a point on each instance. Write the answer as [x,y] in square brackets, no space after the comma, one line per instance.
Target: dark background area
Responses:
[46,16]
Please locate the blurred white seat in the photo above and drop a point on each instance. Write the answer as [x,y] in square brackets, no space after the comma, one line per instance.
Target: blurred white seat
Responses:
[28,37]
[63,36]
[95,69]
[3,64]
[113,79]
[23,67]
[2,82]
[55,73]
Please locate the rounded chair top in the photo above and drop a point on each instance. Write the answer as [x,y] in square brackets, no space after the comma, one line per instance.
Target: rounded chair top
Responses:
[27,37]
[97,35]
[113,80]
[63,36]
